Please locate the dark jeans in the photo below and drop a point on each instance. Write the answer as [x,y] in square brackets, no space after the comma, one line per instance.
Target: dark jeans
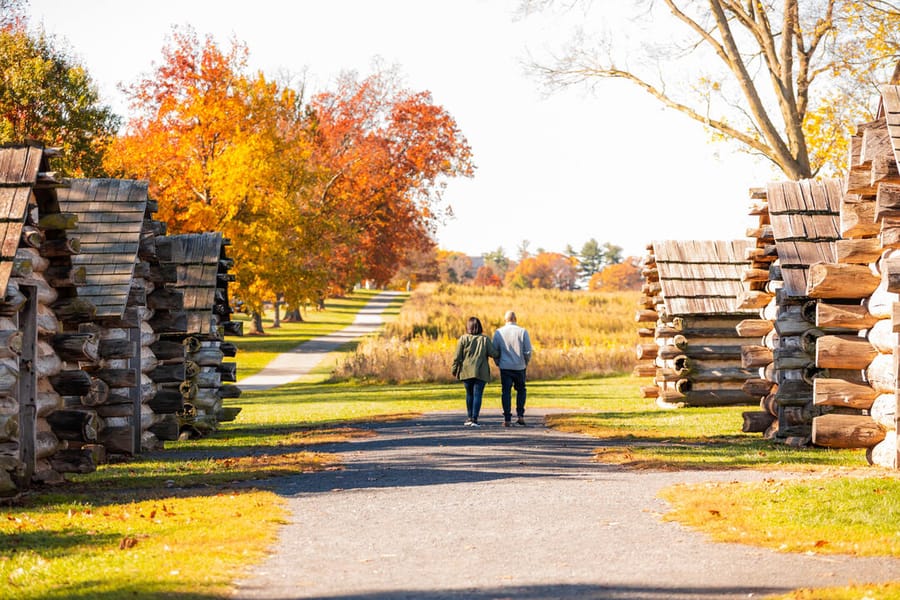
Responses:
[510,379]
[474,392]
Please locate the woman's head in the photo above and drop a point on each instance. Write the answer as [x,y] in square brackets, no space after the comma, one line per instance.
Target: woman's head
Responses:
[473,326]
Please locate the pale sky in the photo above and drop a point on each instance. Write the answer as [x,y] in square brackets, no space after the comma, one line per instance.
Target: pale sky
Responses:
[610,165]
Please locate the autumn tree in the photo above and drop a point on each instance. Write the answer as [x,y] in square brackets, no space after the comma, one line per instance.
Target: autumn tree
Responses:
[785,80]
[546,270]
[454,267]
[486,277]
[498,262]
[47,96]
[389,152]
[418,265]
[226,150]
[621,276]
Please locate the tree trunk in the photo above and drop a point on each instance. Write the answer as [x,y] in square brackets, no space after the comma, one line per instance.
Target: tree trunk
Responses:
[757,421]
[755,356]
[845,316]
[79,460]
[168,351]
[757,387]
[110,349]
[75,425]
[71,383]
[74,347]
[754,327]
[166,401]
[844,352]
[846,431]
[646,351]
[858,252]
[840,281]
[837,392]
[256,323]
[168,373]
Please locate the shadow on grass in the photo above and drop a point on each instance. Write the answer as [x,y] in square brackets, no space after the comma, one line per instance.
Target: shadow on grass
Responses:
[631,439]
[54,543]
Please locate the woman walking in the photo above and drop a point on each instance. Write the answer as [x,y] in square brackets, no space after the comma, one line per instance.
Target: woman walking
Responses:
[470,364]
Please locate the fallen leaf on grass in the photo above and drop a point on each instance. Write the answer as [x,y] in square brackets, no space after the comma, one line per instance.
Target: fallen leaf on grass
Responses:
[129,541]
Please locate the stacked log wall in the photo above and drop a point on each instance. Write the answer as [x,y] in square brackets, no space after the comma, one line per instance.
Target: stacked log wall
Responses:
[201,267]
[859,295]
[695,349]
[649,326]
[761,281]
[76,427]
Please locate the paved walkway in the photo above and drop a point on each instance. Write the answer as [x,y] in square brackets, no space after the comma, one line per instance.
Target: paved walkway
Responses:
[291,366]
[430,509]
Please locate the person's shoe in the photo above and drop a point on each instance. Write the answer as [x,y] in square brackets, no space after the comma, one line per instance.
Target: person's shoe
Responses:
[520,421]
[507,424]
[475,424]
[468,423]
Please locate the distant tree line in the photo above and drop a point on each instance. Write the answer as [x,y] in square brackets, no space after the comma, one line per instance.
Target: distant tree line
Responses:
[597,267]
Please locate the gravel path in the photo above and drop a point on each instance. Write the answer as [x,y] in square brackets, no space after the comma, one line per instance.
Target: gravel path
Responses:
[291,366]
[430,509]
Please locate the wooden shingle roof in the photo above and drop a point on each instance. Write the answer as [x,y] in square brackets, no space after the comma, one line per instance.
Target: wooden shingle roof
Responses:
[110,217]
[19,166]
[890,98]
[701,277]
[805,219]
[196,256]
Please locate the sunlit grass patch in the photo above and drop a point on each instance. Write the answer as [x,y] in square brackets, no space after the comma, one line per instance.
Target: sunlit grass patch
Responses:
[163,547]
[827,515]
[575,334]
[887,591]
[326,435]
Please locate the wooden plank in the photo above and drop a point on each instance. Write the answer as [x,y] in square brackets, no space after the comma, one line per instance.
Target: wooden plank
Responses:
[27,392]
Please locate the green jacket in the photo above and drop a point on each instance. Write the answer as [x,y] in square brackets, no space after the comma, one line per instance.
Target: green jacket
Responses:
[471,358]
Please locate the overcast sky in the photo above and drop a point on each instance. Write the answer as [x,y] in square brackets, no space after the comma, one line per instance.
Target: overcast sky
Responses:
[609,165]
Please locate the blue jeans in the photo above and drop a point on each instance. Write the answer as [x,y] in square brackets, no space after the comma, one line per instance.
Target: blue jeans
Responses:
[474,392]
[510,379]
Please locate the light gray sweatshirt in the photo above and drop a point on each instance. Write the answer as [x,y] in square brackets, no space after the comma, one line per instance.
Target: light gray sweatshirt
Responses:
[514,345]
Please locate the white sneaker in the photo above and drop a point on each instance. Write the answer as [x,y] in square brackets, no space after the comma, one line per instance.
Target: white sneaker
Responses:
[474,424]
[468,423]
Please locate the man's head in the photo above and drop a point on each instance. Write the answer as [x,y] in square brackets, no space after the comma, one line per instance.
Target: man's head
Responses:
[510,317]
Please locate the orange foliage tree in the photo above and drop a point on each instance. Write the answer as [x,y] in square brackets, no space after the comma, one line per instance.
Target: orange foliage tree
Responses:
[485,277]
[313,196]
[389,151]
[547,270]
[622,276]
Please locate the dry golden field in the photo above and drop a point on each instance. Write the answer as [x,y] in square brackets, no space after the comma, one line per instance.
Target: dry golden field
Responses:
[575,334]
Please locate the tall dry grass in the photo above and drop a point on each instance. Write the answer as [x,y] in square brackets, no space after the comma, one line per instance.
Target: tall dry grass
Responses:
[575,334]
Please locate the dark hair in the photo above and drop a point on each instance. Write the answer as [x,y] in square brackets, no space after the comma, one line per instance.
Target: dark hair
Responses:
[474,326]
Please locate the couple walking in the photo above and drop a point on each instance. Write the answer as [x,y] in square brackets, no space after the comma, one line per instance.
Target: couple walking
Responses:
[510,349]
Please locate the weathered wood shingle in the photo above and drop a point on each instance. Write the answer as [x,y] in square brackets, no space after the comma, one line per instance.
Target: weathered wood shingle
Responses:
[110,216]
[700,277]
[196,256]
[805,219]
[19,167]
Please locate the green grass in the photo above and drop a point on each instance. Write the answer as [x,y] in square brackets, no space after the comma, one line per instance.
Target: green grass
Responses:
[645,436]
[790,516]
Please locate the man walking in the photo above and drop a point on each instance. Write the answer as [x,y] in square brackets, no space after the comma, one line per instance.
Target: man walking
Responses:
[515,351]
